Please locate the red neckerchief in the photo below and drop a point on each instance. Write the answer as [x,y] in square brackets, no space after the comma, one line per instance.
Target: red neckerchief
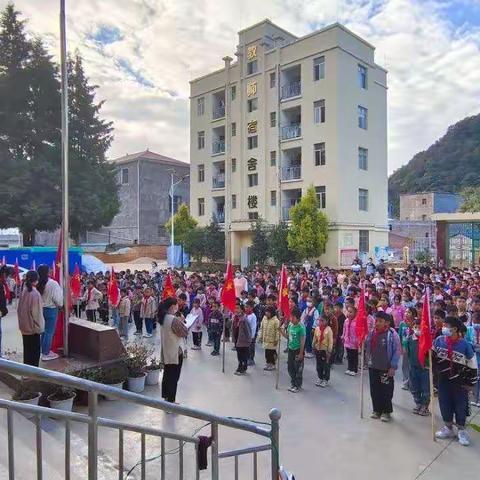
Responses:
[376,334]
[322,334]
[145,301]
[8,294]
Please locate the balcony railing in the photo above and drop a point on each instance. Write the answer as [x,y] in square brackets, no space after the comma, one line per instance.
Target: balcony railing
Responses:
[219,217]
[218,147]
[219,181]
[286,214]
[293,89]
[292,131]
[292,173]
[218,112]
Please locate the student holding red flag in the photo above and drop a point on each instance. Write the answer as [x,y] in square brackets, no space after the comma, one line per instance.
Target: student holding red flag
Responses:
[114,298]
[168,290]
[76,289]
[227,295]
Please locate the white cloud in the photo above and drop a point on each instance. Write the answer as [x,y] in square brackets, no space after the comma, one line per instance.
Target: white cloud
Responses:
[433,63]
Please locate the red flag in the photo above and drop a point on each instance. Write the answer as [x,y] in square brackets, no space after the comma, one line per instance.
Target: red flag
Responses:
[75,284]
[425,341]
[362,324]
[228,297]
[168,290]
[113,289]
[16,274]
[57,342]
[283,301]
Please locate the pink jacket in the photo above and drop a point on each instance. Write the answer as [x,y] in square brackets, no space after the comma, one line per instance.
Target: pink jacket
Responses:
[197,324]
[350,334]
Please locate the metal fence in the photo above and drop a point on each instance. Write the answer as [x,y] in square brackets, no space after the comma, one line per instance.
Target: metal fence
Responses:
[269,431]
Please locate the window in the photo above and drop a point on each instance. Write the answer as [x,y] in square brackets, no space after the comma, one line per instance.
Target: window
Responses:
[424,218]
[200,106]
[201,140]
[124,176]
[253,215]
[362,76]
[363,241]
[252,142]
[424,201]
[319,154]
[177,200]
[253,179]
[318,68]
[234,201]
[234,165]
[319,111]
[362,199]
[201,173]
[233,92]
[273,158]
[362,158]
[321,196]
[201,207]
[273,198]
[273,80]
[234,129]
[273,119]
[252,67]
[252,104]
[362,117]
[161,231]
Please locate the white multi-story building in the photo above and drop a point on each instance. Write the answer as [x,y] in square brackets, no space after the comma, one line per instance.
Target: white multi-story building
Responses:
[289,113]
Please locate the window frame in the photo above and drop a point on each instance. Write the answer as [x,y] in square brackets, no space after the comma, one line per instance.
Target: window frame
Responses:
[362,76]
[250,65]
[322,154]
[252,179]
[273,79]
[319,106]
[364,241]
[233,93]
[122,176]
[252,142]
[319,67]
[234,165]
[273,158]
[321,196]
[364,165]
[200,103]
[201,173]
[201,140]
[253,215]
[234,201]
[273,198]
[273,119]
[233,129]
[201,206]
[363,197]
[360,111]
[252,102]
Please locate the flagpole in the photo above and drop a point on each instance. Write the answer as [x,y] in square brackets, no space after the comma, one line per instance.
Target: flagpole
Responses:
[65,207]
[362,360]
[277,373]
[223,344]
[432,396]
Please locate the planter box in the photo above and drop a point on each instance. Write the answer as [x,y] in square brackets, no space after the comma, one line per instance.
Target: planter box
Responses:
[115,385]
[153,377]
[136,384]
[65,405]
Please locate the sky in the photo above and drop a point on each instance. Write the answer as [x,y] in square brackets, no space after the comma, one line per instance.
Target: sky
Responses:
[142,54]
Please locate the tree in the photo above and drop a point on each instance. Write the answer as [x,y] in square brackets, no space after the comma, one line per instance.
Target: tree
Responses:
[214,242]
[183,224]
[278,247]
[471,199]
[195,244]
[259,248]
[308,233]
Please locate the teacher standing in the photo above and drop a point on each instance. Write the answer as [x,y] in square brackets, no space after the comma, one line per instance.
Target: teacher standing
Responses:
[173,331]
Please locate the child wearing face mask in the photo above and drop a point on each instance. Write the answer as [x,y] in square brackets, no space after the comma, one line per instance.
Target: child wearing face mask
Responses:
[418,374]
[473,336]
[310,320]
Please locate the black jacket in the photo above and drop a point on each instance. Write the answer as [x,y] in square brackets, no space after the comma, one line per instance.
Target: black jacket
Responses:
[3,301]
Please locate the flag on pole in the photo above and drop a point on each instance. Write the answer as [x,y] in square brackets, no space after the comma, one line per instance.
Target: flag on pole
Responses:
[113,293]
[362,323]
[168,290]
[16,274]
[283,301]
[57,342]
[425,341]
[227,297]
[75,284]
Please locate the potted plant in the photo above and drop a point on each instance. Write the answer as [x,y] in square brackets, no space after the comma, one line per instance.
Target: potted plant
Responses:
[153,371]
[136,364]
[114,377]
[62,398]
[92,374]
[25,393]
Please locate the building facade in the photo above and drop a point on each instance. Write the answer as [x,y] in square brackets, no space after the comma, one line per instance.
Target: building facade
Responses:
[144,180]
[289,113]
[421,206]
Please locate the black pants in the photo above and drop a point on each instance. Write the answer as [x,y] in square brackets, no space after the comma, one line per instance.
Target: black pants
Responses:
[339,350]
[31,349]
[242,356]
[381,391]
[215,338]
[352,360]
[103,313]
[323,366]
[137,320]
[270,356]
[171,375]
[295,368]
[91,315]
[197,338]
[251,349]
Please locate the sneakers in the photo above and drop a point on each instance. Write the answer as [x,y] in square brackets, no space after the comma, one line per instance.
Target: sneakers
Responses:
[195,347]
[463,438]
[324,383]
[385,417]
[417,409]
[349,372]
[375,415]
[444,433]
[424,411]
[250,362]
[405,386]
[475,404]
[318,383]
[294,389]
[209,344]
[147,335]
[309,355]
[137,333]
[214,353]
[50,356]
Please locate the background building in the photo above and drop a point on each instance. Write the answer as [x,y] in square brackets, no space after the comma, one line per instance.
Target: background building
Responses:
[290,113]
[421,206]
[145,202]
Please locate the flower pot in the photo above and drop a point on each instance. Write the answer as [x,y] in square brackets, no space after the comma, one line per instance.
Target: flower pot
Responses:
[66,405]
[136,384]
[82,398]
[30,401]
[153,377]
[114,385]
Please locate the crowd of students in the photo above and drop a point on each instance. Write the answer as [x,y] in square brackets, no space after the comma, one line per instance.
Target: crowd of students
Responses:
[323,307]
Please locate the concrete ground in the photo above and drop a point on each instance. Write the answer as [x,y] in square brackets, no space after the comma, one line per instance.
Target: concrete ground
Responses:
[320,430]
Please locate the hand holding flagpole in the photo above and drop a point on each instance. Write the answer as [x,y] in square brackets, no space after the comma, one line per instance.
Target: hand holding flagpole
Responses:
[361,332]
[285,310]
[229,300]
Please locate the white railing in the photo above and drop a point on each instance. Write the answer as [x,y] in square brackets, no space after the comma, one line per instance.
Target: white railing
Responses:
[292,173]
[218,181]
[218,112]
[293,89]
[292,131]
[94,422]
[218,147]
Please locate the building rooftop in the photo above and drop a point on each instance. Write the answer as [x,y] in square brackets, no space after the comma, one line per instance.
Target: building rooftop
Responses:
[456,217]
[148,155]
[435,192]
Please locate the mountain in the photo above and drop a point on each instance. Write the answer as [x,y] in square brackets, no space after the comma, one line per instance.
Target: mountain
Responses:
[449,165]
